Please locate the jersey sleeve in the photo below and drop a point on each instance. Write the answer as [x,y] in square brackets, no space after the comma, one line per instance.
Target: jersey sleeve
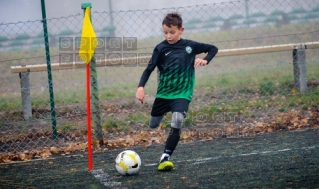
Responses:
[211,50]
[150,67]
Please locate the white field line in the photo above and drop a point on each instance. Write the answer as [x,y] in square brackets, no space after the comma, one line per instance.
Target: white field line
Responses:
[203,160]
[104,179]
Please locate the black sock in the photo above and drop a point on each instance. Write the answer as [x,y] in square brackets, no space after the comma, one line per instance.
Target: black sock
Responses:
[172,141]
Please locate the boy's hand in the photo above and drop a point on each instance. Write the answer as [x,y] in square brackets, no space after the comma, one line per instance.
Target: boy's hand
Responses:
[200,62]
[140,94]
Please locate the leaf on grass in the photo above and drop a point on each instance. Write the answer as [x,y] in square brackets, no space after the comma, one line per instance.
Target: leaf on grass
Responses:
[4,158]
[45,154]
[83,146]
[294,90]
[184,136]
[149,143]
[209,138]
[71,148]
[270,130]
[156,140]
[96,143]
[22,156]
[54,150]
[129,140]
[48,133]
[305,120]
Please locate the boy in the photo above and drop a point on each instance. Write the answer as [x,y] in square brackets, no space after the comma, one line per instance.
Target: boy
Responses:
[175,59]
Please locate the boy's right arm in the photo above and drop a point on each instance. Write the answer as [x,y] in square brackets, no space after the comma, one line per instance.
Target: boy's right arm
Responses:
[140,90]
[140,94]
[145,76]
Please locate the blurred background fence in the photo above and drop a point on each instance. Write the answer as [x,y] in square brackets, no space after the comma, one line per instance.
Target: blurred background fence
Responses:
[247,91]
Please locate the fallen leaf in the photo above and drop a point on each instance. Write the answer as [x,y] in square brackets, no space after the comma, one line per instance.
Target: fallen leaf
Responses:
[294,90]
[270,130]
[105,141]
[22,156]
[45,154]
[54,150]
[305,120]
[70,148]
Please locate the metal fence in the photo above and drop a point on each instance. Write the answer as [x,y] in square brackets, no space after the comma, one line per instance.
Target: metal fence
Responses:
[235,96]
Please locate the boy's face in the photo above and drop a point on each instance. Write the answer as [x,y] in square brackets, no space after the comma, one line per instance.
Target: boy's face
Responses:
[172,34]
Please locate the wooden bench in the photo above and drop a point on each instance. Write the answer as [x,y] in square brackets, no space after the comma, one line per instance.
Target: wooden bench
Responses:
[298,64]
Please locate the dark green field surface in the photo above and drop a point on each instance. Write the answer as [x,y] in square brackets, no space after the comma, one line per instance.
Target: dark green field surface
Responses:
[278,160]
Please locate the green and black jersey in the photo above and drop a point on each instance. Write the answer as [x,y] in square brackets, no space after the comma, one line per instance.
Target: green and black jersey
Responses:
[176,65]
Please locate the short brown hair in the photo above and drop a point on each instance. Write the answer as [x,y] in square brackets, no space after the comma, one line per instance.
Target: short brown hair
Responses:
[174,19]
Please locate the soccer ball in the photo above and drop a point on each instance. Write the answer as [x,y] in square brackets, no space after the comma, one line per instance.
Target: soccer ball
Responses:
[128,162]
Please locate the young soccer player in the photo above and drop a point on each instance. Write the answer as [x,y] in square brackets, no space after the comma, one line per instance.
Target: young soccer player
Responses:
[175,59]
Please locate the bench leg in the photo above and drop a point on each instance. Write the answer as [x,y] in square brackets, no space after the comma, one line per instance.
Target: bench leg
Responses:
[25,95]
[299,64]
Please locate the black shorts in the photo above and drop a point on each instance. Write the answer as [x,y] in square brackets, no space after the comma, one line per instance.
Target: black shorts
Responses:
[162,106]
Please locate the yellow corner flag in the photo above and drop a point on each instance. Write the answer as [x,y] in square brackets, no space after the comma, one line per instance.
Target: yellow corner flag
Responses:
[88,39]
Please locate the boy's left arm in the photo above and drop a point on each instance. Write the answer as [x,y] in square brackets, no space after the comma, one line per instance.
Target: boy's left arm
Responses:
[211,51]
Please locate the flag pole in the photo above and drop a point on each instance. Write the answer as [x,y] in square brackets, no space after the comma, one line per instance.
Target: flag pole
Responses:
[89,116]
[86,54]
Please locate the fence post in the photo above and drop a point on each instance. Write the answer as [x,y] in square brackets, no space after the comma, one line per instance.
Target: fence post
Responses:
[299,64]
[49,70]
[25,95]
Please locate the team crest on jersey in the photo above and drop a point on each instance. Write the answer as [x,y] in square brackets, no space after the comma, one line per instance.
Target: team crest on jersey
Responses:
[188,49]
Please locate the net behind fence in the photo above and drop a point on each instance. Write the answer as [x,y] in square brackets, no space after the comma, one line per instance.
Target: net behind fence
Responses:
[235,96]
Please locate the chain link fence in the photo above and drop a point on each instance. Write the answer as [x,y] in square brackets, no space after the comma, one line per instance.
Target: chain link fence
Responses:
[235,96]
